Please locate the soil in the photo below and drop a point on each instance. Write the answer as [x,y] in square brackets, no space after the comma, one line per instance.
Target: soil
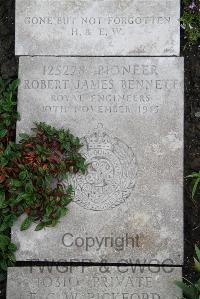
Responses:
[191,154]
[9,67]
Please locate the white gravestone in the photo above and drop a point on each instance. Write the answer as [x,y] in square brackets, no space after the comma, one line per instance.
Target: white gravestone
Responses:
[98,27]
[93,283]
[128,113]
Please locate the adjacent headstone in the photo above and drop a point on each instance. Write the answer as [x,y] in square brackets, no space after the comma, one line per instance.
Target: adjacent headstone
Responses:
[129,114]
[98,27]
[93,283]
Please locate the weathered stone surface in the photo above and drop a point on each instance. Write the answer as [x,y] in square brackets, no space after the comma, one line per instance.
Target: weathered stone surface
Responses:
[129,114]
[98,28]
[93,283]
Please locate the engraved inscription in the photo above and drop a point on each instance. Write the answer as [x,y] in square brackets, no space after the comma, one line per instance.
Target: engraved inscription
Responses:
[97,28]
[103,27]
[102,89]
[111,175]
[102,282]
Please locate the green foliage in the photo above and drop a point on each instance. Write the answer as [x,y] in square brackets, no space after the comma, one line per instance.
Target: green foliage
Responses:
[8,118]
[192,290]
[7,250]
[32,173]
[191,20]
[197,260]
[196,182]
[8,110]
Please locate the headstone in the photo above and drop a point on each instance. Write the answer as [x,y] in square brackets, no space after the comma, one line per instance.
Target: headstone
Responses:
[98,27]
[93,283]
[128,113]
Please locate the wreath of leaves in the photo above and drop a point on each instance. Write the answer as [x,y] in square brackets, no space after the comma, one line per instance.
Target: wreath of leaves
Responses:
[31,173]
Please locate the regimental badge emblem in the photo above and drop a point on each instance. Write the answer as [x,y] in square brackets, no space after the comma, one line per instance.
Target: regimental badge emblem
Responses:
[111,174]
